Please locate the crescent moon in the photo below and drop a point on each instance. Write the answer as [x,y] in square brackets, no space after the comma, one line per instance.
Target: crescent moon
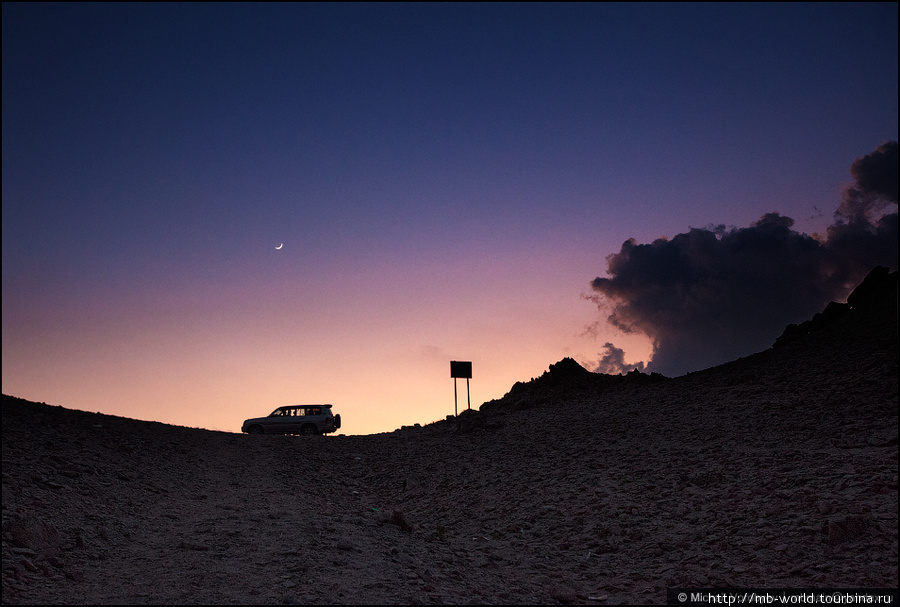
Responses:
[278,248]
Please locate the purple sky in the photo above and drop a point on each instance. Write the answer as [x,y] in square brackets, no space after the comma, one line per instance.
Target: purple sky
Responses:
[448,181]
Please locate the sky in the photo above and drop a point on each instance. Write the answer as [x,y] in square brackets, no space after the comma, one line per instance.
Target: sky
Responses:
[213,210]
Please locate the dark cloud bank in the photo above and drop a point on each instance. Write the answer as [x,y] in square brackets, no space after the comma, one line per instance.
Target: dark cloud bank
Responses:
[715,294]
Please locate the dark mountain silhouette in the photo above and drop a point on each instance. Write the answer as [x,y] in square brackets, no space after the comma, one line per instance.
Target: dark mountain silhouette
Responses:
[872,298]
[870,309]
[564,381]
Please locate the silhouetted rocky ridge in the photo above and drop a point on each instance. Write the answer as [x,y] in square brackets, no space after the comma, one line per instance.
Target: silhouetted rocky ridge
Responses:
[871,309]
[564,381]
[875,296]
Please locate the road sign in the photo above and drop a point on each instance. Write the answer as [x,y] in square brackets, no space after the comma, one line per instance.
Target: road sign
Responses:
[460,368]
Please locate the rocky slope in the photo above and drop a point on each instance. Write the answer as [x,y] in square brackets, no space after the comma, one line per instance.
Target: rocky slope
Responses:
[775,470]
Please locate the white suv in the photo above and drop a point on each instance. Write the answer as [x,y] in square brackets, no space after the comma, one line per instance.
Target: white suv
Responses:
[295,419]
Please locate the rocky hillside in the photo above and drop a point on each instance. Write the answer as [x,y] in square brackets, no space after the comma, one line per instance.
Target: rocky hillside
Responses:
[775,470]
[870,311]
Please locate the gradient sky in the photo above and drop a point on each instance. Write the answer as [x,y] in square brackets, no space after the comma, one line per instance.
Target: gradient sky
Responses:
[447,182]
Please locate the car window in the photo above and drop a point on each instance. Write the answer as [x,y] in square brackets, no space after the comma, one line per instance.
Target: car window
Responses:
[299,411]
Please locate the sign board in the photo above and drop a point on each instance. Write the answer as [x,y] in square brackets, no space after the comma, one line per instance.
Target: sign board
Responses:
[461,368]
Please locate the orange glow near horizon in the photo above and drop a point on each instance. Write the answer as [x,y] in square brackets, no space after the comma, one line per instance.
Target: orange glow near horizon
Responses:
[212,357]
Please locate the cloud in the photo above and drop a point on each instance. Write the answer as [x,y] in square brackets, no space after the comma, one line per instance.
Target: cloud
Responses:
[715,294]
[613,361]
[875,187]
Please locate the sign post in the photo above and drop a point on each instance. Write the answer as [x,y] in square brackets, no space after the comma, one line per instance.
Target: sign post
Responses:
[460,368]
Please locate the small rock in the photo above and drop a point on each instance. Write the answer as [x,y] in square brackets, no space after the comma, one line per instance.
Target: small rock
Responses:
[34,533]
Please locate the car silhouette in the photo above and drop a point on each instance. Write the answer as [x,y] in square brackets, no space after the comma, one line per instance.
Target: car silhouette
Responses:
[307,420]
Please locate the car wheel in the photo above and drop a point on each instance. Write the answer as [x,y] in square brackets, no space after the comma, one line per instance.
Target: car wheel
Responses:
[255,430]
[309,430]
